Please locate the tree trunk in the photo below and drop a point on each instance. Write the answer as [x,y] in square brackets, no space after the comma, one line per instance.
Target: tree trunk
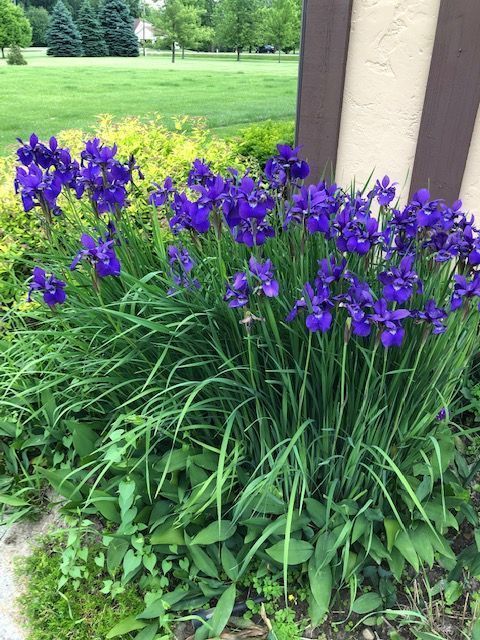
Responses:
[3,53]
[173,51]
[183,53]
[279,53]
[238,54]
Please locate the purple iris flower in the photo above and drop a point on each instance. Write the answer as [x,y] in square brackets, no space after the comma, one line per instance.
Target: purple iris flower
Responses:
[180,256]
[329,271]
[358,300]
[264,273]
[252,232]
[433,315]
[161,193]
[38,188]
[188,215]
[253,201]
[399,282]
[357,229]
[384,191]
[463,289]
[314,206]
[286,166]
[428,212]
[238,291]
[213,194]
[101,255]
[181,264]
[200,173]
[318,304]
[99,153]
[104,177]
[392,332]
[52,288]
[37,152]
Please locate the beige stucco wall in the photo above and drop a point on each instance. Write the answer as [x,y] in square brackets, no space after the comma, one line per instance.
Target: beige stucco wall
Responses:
[470,191]
[391,44]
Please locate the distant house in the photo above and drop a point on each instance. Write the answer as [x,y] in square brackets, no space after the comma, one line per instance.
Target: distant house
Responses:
[144,30]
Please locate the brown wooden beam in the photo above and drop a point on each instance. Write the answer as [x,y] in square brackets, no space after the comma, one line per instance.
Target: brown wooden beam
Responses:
[451,101]
[323,59]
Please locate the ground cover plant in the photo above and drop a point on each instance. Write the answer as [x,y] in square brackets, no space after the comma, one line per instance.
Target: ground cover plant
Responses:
[256,376]
[226,93]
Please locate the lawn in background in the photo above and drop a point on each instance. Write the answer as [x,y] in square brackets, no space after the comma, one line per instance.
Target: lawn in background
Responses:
[51,94]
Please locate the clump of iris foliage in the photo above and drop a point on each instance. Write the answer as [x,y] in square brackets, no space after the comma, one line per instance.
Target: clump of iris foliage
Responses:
[258,371]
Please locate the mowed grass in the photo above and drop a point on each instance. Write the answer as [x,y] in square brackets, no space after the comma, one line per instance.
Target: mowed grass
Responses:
[51,94]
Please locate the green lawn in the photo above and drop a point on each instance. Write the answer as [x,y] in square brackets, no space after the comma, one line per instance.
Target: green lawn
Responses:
[50,94]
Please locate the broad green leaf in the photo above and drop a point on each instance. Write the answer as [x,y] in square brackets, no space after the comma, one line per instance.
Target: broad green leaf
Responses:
[476,630]
[317,512]
[391,529]
[125,626]
[221,615]
[201,559]
[367,603]
[116,551]
[215,532]
[321,588]
[106,505]
[154,610]
[8,428]
[229,563]
[148,633]
[423,546]
[131,564]
[299,551]
[65,488]
[406,548]
[84,437]
[453,591]
[13,501]
[168,534]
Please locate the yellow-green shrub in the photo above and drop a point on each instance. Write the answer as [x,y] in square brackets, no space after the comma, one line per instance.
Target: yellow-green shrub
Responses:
[159,152]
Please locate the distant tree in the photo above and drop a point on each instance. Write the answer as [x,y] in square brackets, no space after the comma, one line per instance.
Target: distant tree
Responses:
[281,25]
[237,24]
[180,23]
[93,40]
[14,26]
[38,18]
[117,25]
[134,6]
[63,37]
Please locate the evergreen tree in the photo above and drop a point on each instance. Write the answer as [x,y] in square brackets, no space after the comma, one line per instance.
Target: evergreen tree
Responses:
[117,24]
[38,18]
[14,26]
[15,55]
[92,33]
[63,37]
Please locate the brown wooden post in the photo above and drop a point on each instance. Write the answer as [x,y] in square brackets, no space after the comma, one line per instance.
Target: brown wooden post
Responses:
[451,101]
[323,59]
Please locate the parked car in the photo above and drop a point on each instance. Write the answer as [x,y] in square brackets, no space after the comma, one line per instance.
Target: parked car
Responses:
[266,48]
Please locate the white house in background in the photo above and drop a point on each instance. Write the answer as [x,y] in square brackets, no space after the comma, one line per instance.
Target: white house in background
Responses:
[144,30]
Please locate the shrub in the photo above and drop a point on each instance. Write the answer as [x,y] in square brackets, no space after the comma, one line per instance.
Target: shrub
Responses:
[63,37]
[273,384]
[15,56]
[259,141]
